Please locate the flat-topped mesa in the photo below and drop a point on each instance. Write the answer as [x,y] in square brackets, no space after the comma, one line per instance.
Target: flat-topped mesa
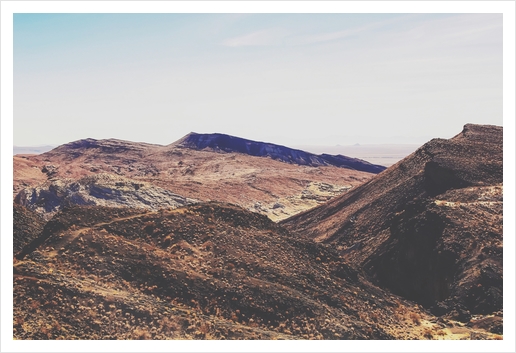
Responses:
[226,143]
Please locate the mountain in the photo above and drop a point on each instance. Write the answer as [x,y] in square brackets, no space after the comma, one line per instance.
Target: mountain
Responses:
[227,143]
[429,228]
[204,271]
[270,187]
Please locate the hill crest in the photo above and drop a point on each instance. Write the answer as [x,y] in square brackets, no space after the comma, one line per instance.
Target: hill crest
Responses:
[227,143]
[436,215]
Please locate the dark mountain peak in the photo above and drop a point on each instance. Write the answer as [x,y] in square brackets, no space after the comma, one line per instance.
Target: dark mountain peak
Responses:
[217,141]
[227,143]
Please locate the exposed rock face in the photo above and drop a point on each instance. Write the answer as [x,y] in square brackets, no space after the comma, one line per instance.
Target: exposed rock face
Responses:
[100,189]
[430,227]
[227,143]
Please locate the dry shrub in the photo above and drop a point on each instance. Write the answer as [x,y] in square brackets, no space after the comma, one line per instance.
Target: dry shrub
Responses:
[56,326]
[374,316]
[34,304]
[427,333]
[416,318]
[18,321]
[140,334]
[45,330]
[204,328]
[169,325]
[399,311]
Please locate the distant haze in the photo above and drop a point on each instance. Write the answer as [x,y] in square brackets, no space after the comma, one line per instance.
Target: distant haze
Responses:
[31,149]
[382,154]
[289,79]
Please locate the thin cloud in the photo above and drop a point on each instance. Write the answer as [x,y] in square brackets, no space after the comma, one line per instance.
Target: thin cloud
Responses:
[337,35]
[266,37]
[325,37]
[281,37]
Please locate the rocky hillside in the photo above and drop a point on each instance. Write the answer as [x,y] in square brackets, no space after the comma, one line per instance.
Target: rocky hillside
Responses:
[227,143]
[27,226]
[101,190]
[259,184]
[430,227]
[205,271]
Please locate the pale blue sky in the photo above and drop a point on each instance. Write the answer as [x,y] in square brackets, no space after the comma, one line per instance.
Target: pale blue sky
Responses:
[285,78]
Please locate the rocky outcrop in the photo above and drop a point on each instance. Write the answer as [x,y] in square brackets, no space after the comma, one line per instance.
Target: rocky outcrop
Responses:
[227,143]
[101,189]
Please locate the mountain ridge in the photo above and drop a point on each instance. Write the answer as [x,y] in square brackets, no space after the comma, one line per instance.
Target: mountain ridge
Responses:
[264,185]
[228,143]
[436,215]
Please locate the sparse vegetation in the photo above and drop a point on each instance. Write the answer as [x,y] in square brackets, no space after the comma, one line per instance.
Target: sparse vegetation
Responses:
[217,271]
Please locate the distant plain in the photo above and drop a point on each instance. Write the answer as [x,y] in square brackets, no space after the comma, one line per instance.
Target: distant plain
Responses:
[383,154]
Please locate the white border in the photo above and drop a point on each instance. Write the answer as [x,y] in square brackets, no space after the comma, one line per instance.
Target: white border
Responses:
[9,7]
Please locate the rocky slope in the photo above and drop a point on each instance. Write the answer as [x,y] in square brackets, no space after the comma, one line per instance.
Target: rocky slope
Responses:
[266,186]
[99,189]
[27,226]
[429,228]
[205,271]
[227,143]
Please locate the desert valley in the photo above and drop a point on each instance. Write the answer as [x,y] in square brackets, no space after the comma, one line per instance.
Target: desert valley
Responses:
[218,237]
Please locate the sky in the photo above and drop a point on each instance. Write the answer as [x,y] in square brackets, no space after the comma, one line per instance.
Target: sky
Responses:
[290,79]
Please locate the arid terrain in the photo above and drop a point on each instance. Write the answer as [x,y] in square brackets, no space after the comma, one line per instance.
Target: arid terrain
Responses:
[202,239]
[429,228]
[261,183]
